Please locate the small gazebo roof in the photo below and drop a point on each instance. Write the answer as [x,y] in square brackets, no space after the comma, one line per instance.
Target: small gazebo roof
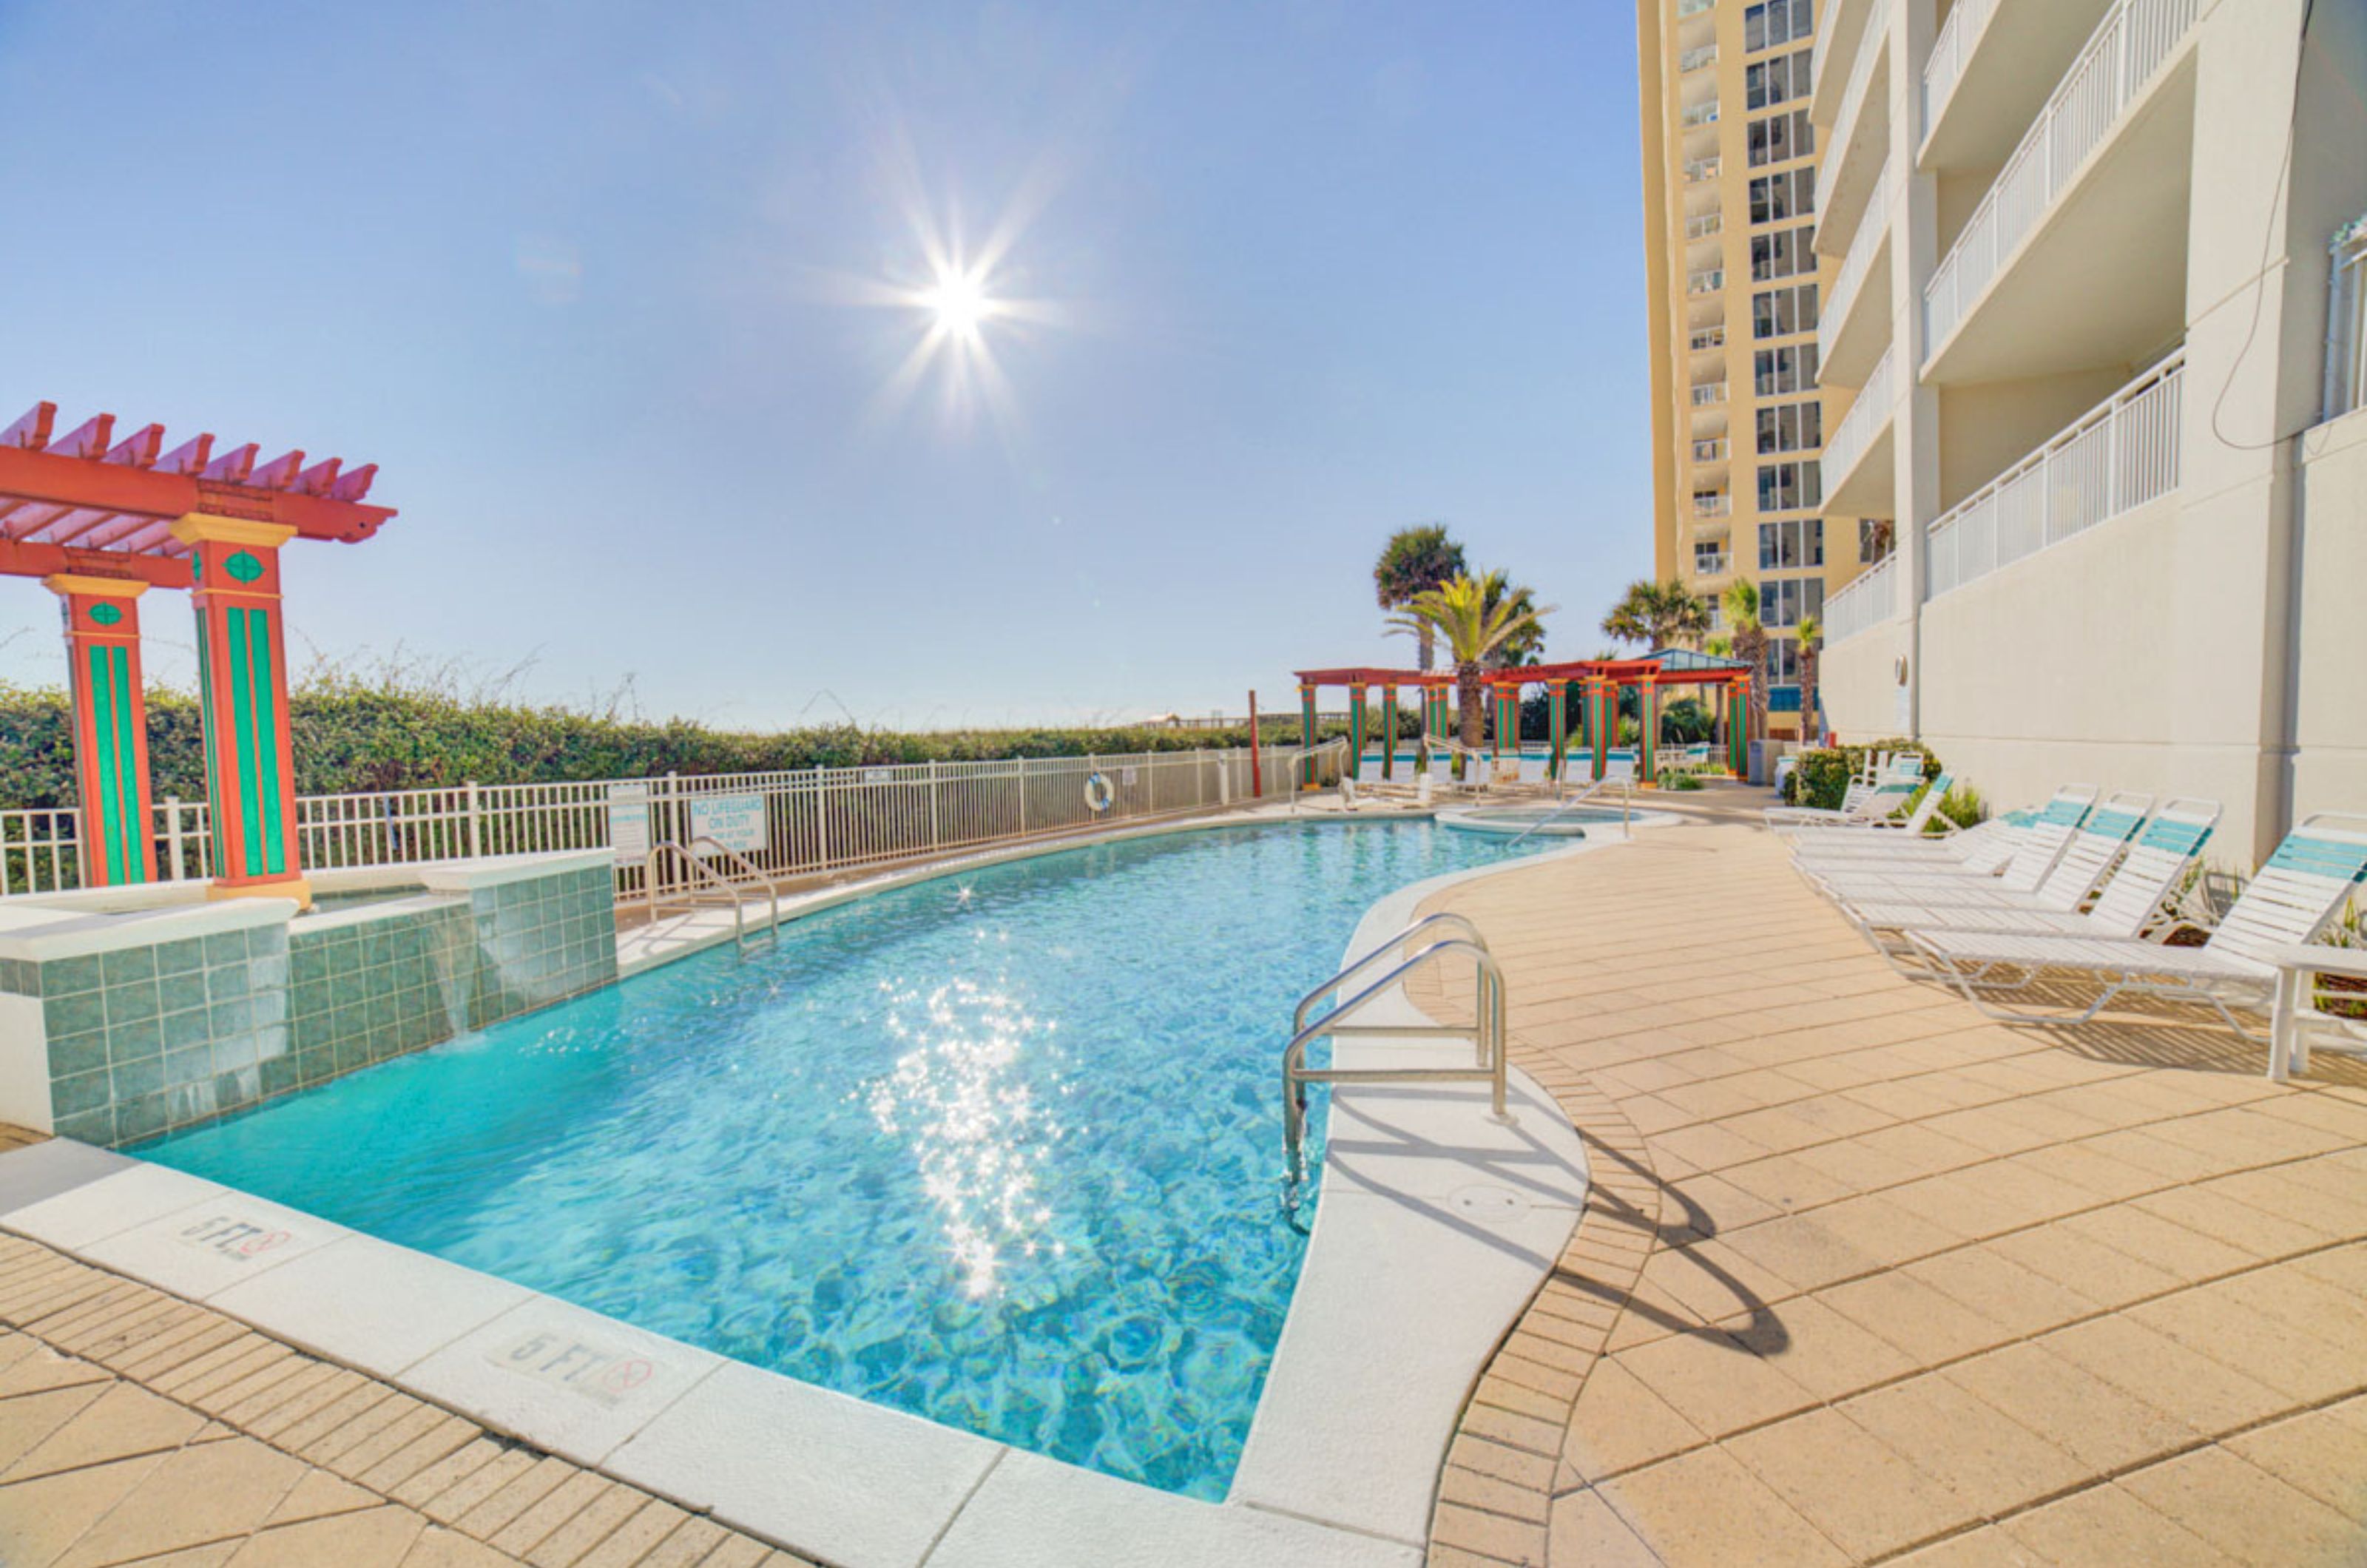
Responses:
[91,503]
[1667,662]
[1673,660]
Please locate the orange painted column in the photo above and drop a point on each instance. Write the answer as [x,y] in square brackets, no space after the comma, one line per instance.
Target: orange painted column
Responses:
[110,720]
[242,684]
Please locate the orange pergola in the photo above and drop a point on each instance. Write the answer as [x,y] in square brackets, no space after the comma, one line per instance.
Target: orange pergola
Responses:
[100,520]
[1600,681]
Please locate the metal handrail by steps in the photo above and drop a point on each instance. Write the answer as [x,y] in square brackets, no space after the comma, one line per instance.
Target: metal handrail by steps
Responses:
[1298,758]
[1487,1032]
[1626,806]
[737,892]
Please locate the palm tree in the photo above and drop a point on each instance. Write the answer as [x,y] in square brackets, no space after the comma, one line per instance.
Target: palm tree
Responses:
[1748,640]
[1658,614]
[1527,645]
[1475,629]
[1414,561]
[1812,648]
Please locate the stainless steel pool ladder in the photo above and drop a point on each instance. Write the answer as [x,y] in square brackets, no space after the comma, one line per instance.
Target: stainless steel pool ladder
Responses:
[1486,1031]
[741,893]
[1626,806]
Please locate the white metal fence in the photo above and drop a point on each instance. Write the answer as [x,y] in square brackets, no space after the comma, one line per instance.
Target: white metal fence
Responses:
[809,820]
[2120,454]
[1871,598]
[1865,420]
[1967,19]
[2122,55]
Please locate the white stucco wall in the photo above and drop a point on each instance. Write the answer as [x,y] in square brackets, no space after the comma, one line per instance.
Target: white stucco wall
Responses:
[2329,767]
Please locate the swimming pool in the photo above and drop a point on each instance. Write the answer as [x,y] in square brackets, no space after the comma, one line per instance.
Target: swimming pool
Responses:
[998,1150]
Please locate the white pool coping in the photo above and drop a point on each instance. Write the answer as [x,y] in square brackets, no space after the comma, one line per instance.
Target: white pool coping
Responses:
[1434,1227]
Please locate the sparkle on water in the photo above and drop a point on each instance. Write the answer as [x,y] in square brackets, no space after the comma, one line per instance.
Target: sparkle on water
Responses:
[1001,1152]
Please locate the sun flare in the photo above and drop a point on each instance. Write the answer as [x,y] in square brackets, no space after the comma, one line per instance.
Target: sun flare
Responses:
[958,301]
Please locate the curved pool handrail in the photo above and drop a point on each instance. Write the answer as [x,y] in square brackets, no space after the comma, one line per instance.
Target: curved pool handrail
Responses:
[1443,917]
[1626,806]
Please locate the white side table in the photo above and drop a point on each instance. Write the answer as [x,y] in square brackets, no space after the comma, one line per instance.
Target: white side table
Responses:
[2294,1014]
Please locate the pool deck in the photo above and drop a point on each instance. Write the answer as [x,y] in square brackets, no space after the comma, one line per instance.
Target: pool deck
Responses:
[1867,1276]
[1862,1276]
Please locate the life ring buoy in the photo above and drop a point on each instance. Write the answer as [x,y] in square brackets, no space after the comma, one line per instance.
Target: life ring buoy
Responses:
[1098,794]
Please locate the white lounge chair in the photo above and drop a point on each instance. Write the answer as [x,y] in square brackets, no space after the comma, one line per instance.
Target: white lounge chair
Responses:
[1992,840]
[2300,889]
[1870,818]
[2041,845]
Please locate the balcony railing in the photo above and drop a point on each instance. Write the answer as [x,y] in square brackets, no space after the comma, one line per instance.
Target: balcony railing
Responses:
[2131,43]
[1713,392]
[1871,47]
[1705,169]
[1700,114]
[1708,281]
[1862,423]
[1710,451]
[1711,503]
[2120,454]
[1706,339]
[1950,51]
[1711,565]
[1695,59]
[1692,7]
[1871,598]
[1702,227]
[1872,225]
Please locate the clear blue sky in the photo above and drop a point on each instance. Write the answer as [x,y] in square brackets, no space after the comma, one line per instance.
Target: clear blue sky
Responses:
[586,280]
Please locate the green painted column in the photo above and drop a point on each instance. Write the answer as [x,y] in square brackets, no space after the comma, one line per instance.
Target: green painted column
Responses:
[1606,729]
[1355,730]
[1647,729]
[1737,730]
[1306,736]
[1389,731]
[1556,726]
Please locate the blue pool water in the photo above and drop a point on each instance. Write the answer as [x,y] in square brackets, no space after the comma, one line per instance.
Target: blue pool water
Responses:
[1000,1150]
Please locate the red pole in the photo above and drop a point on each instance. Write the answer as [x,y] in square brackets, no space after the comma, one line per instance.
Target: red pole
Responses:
[1257,773]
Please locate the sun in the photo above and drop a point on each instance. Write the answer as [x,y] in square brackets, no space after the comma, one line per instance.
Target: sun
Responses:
[958,301]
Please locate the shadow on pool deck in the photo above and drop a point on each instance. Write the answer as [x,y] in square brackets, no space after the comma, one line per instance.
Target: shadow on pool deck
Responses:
[1866,1275]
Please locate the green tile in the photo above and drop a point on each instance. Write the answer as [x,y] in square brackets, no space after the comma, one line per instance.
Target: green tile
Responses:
[89,1127]
[194,1027]
[134,1042]
[225,981]
[227,1018]
[76,1014]
[128,963]
[133,1079]
[82,1092]
[77,1054]
[280,1074]
[175,992]
[130,1001]
[60,977]
[141,1118]
[266,974]
[181,957]
[187,1067]
[225,947]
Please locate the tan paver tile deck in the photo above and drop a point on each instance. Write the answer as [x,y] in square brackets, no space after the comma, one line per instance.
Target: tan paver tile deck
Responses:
[1870,1276]
[199,1444]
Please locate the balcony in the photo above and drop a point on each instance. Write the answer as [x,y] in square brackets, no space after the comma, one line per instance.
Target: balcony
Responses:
[1864,432]
[1988,74]
[1705,226]
[1858,146]
[1702,169]
[1710,451]
[2071,248]
[2117,456]
[1840,29]
[1848,340]
[1697,59]
[1692,7]
[1708,394]
[1713,566]
[1708,281]
[1875,596]
[1712,503]
[1700,114]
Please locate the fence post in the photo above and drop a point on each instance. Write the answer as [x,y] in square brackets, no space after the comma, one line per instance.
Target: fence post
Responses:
[1224,779]
[173,838]
[936,835]
[475,823]
[1023,798]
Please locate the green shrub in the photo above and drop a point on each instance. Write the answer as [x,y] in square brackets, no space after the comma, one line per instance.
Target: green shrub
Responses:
[1682,782]
[1821,778]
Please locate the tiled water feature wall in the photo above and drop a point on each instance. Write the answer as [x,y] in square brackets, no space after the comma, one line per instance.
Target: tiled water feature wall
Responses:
[166,1025]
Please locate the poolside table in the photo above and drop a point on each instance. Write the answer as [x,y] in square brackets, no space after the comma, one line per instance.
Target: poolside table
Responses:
[2295,1014]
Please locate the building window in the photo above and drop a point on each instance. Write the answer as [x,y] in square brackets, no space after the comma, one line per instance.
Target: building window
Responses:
[1709,556]
[1779,371]
[1782,654]
[1776,21]
[1792,194]
[1790,486]
[1791,427]
[1791,545]
[1786,602]
[1783,253]
[1780,312]
[1876,537]
[1779,137]
[1776,80]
